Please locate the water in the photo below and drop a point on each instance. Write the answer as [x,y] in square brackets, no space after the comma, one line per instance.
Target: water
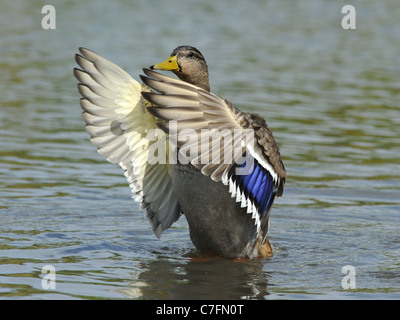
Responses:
[330,95]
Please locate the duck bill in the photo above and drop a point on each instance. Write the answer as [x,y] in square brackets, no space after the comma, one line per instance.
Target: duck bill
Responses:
[170,64]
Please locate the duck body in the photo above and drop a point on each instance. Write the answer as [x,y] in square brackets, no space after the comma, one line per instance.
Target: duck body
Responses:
[217,223]
[226,203]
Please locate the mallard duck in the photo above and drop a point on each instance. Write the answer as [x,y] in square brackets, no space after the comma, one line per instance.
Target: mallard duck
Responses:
[185,150]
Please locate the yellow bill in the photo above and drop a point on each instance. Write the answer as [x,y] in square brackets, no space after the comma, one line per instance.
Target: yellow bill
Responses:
[170,64]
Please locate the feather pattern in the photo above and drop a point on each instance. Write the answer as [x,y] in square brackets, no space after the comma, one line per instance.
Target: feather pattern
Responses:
[229,145]
[118,124]
[256,191]
[228,162]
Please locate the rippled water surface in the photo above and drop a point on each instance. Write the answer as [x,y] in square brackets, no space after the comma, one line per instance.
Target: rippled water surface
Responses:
[330,95]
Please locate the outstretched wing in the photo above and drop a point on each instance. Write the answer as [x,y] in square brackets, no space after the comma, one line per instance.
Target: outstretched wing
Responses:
[124,132]
[229,145]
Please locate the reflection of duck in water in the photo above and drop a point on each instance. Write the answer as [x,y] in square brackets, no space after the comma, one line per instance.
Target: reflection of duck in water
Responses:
[226,203]
[219,279]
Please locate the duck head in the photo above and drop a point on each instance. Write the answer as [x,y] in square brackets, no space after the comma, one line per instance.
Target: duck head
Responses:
[188,64]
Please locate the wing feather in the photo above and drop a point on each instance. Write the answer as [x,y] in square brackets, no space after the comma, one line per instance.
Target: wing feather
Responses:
[229,146]
[118,122]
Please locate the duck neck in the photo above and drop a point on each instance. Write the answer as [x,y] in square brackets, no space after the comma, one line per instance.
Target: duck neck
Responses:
[197,77]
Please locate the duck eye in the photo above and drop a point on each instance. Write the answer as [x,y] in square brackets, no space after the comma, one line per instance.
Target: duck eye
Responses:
[190,55]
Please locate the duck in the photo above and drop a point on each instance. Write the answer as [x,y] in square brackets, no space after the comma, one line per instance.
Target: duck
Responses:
[185,150]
